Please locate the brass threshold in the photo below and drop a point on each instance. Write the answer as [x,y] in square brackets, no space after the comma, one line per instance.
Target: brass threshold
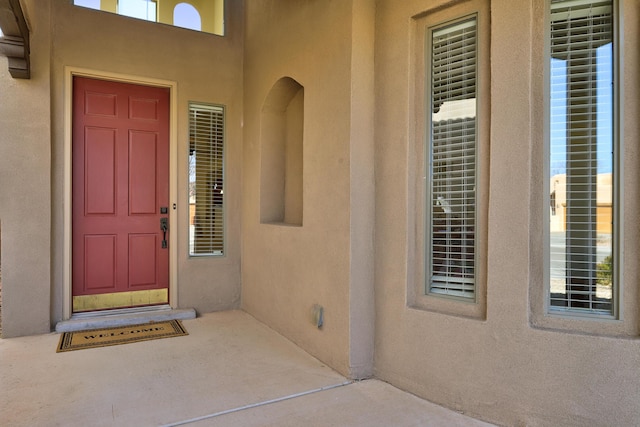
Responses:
[120,300]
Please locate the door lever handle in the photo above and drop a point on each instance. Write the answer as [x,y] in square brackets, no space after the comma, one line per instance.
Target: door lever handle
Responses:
[164,226]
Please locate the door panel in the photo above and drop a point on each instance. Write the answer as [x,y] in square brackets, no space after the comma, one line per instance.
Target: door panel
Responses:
[100,171]
[142,173]
[100,262]
[145,109]
[142,259]
[100,104]
[120,182]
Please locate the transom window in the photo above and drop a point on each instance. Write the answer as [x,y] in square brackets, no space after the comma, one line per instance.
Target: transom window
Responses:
[200,15]
[141,9]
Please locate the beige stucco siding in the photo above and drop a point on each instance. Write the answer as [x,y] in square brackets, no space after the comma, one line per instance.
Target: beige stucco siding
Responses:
[203,67]
[505,369]
[289,269]
[25,187]
[354,249]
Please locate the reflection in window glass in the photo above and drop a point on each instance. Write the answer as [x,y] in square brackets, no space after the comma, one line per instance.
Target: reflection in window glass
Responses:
[581,157]
[206,179]
[186,16]
[91,4]
[141,9]
[452,161]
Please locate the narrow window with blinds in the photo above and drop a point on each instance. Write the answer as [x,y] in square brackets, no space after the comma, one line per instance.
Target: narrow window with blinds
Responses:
[582,158]
[451,160]
[206,179]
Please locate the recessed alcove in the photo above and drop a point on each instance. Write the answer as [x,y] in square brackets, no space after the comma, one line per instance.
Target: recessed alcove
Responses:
[281,140]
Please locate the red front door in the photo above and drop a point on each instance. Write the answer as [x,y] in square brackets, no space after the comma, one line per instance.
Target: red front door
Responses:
[120,194]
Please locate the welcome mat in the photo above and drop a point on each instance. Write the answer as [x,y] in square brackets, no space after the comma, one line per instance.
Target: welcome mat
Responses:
[120,335]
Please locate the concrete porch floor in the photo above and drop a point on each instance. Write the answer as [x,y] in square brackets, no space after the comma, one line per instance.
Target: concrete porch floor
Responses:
[231,370]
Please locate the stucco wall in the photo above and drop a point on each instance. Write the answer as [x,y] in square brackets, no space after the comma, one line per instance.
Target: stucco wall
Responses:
[286,270]
[506,369]
[204,67]
[510,365]
[25,186]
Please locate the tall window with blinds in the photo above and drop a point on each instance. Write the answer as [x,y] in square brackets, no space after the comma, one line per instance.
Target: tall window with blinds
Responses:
[582,155]
[451,160]
[206,180]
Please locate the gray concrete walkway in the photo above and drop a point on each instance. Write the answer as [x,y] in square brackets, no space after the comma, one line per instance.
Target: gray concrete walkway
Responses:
[230,371]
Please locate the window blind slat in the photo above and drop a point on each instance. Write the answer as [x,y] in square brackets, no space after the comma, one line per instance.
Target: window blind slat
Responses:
[206,179]
[453,161]
[581,35]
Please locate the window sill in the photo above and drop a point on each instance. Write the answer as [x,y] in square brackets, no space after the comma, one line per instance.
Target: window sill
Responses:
[582,324]
[282,224]
[452,306]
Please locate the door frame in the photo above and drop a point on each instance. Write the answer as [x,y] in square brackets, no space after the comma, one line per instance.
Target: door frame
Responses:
[69,73]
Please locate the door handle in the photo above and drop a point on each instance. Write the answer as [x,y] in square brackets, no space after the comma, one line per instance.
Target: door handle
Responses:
[164,226]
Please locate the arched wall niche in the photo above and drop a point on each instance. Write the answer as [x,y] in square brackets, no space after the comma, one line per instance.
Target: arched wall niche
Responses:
[281,140]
